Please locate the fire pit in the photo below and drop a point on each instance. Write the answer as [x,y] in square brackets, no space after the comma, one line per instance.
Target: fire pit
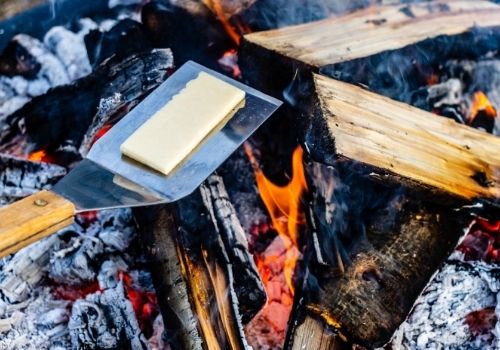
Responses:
[364,213]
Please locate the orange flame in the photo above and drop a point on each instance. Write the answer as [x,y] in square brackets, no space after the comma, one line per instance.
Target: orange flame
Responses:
[284,206]
[480,102]
[218,9]
[37,156]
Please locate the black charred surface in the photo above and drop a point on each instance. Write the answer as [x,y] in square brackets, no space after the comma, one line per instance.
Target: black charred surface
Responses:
[378,251]
[60,118]
[126,38]
[20,178]
[16,60]
[193,33]
[399,74]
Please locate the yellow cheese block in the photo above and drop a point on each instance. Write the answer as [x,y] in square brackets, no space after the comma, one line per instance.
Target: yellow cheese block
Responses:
[173,132]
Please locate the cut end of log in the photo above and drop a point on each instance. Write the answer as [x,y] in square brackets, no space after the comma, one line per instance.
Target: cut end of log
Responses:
[403,140]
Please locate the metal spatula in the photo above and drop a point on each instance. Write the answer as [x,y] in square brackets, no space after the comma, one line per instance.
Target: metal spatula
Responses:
[106,179]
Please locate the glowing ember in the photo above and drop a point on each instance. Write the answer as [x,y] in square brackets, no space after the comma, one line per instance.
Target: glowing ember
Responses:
[284,207]
[229,62]
[144,303]
[73,293]
[40,156]
[480,103]
[101,132]
[481,321]
[482,242]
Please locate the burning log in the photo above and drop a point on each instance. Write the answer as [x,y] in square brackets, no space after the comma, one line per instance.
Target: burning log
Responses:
[374,253]
[406,144]
[208,259]
[351,46]
[203,36]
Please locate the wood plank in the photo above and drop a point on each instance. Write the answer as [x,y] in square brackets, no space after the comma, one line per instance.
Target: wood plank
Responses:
[408,142]
[10,8]
[374,30]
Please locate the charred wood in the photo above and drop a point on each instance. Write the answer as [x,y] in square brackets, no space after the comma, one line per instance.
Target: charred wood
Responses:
[59,119]
[247,283]
[203,36]
[203,261]
[20,178]
[158,228]
[124,39]
[389,250]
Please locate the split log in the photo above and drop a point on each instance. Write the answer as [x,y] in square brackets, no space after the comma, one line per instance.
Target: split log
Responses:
[158,234]
[405,144]
[218,272]
[390,246]
[349,46]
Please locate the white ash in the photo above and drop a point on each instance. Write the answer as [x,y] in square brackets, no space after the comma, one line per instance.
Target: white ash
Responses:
[96,321]
[70,49]
[38,323]
[438,318]
[20,178]
[73,258]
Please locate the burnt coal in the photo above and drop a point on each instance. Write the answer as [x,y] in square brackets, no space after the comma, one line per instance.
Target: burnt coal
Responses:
[16,60]
[124,39]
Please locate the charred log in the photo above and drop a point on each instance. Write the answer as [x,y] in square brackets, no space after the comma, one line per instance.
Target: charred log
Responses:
[382,257]
[404,144]
[59,119]
[203,36]
[158,228]
[247,283]
[204,257]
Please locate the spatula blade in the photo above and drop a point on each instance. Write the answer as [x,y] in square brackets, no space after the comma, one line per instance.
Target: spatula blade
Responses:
[201,163]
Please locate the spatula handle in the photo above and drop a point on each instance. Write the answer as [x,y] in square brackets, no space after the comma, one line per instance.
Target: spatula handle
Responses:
[32,218]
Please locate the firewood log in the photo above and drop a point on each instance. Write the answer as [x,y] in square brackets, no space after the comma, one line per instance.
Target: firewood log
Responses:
[390,245]
[347,47]
[406,144]
[219,277]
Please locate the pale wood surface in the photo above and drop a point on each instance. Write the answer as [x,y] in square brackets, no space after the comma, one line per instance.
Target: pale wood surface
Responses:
[410,142]
[10,8]
[25,222]
[376,29]
[314,334]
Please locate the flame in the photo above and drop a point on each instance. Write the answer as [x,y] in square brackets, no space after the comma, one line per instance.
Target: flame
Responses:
[229,62]
[218,9]
[284,206]
[480,102]
[38,156]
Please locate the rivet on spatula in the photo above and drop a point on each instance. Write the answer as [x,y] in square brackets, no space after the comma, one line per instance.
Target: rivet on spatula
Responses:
[41,202]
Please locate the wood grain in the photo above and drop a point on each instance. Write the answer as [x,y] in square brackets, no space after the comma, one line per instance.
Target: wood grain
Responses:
[10,8]
[31,219]
[409,142]
[374,30]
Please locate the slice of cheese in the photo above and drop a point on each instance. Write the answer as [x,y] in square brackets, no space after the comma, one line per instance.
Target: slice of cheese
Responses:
[173,132]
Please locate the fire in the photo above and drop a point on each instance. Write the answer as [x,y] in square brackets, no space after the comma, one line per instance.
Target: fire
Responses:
[480,103]
[284,206]
[229,62]
[218,9]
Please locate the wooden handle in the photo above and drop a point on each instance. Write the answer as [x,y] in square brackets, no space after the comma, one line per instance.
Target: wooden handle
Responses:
[31,219]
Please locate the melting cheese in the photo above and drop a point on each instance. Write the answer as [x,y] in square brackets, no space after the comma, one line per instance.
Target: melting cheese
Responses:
[172,133]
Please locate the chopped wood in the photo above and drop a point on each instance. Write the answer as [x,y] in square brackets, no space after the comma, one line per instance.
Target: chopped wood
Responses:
[212,266]
[405,143]
[375,29]
[247,282]
[158,227]
[313,334]
[389,252]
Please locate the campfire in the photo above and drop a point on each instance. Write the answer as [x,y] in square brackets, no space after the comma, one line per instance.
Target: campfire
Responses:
[363,214]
